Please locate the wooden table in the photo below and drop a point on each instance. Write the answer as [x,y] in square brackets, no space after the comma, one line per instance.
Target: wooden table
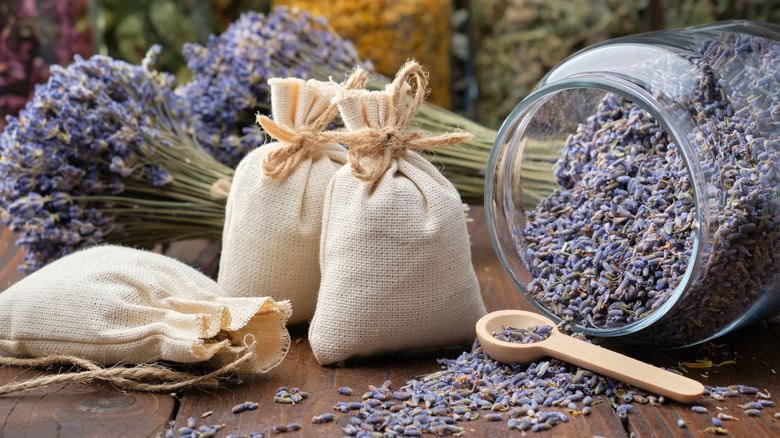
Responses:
[84,410]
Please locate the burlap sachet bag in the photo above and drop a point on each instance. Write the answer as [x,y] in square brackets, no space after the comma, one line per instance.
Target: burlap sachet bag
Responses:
[114,305]
[395,255]
[270,242]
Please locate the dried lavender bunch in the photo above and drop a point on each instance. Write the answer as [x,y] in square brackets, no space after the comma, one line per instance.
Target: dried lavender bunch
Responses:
[104,152]
[34,34]
[229,87]
[230,74]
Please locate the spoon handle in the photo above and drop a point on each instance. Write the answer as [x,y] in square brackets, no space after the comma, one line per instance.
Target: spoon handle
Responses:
[623,368]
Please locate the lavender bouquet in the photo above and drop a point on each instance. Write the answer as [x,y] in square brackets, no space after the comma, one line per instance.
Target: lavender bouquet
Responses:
[105,152]
[229,87]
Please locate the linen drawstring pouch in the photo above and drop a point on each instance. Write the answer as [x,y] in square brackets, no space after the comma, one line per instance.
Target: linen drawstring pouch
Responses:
[110,305]
[273,217]
[394,254]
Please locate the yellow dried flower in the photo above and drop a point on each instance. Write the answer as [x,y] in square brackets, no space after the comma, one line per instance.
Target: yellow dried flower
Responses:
[388,32]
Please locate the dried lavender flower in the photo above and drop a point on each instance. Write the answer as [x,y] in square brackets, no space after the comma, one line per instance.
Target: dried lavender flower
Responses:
[230,73]
[102,153]
[524,335]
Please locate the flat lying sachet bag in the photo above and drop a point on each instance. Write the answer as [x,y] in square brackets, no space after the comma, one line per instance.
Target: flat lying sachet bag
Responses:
[273,216]
[117,305]
[395,255]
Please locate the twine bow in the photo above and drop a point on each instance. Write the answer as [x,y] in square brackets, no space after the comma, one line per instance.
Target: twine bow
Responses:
[372,149]
[303,142]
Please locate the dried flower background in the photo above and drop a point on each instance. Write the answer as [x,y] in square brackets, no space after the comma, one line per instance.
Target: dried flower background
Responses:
[519,41]
[388,32]
[609,246]
[33,35]
[126,29]
[110,151]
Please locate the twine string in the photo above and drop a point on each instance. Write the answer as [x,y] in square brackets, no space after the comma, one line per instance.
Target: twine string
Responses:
[303,142]
[372,149]
[142,377]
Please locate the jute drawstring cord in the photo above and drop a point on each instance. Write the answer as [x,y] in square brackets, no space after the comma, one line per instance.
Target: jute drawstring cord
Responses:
[302,142]
[372,149]
[143,377]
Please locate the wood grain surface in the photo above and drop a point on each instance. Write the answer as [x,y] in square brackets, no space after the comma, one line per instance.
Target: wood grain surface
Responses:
[95,409]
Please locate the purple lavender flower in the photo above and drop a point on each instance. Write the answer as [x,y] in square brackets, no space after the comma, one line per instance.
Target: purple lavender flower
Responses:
[230,73]
[89,156]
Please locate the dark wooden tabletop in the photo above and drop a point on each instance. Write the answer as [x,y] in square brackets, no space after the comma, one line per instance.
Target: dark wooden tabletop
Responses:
[95,409]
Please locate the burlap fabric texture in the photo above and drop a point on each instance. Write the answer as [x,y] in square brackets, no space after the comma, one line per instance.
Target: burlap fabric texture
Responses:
[394,254]
[273,218]
[116,305]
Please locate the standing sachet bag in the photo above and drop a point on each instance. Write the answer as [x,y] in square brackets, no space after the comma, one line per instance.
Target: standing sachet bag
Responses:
[394,255]
[273,216]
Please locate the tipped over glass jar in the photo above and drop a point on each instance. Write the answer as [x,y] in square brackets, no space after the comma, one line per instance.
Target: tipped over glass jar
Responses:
[636,191]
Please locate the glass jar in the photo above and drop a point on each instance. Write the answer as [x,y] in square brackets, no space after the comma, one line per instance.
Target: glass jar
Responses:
[636,191]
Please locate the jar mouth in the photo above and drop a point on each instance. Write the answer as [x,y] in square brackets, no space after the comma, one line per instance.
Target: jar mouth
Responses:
[513,130]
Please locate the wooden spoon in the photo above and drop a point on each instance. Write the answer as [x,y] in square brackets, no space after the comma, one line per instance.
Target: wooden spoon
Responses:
[581,353]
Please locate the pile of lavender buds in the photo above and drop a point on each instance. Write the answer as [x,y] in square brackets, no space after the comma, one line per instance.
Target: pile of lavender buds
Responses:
[533,397]
[524,335]
[611,244]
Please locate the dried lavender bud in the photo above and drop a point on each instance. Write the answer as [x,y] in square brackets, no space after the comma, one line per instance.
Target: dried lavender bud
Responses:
[524,335]
[494,417]
[747,389]
[245,406]
[681,422]
[279,428]
[699,409]
[344,390]
[323,418]
[752,412]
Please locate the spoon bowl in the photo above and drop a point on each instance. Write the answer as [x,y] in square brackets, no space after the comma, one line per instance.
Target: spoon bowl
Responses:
[508,352]
[581,353]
